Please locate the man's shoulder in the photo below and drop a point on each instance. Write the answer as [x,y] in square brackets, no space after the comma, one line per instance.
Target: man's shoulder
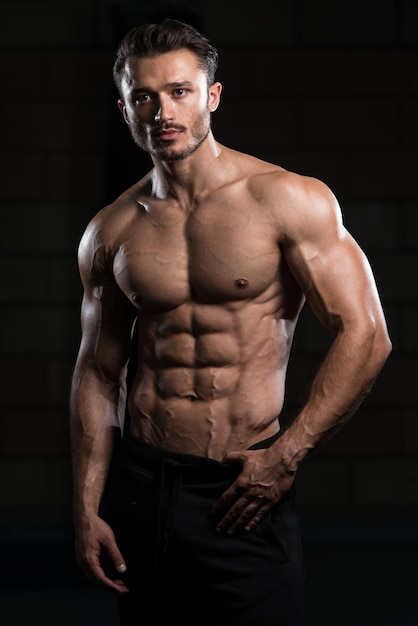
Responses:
[258,171]
[116,213]
[107,229]
[292,198]
[274,181]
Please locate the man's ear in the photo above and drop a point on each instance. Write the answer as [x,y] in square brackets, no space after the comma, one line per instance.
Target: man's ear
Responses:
[214,96]
[122,109]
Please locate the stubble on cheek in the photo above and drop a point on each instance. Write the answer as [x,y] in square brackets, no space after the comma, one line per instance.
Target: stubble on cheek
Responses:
[141,134]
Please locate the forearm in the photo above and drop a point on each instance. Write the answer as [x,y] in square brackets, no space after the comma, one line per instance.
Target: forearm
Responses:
[339,387]
[91,458]
[94,407]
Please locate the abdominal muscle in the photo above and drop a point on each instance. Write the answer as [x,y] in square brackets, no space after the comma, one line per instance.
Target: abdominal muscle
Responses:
[209,380]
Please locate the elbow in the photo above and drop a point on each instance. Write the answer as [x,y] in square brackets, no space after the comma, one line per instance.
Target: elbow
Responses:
[370,337]
[385,345]
[381,343]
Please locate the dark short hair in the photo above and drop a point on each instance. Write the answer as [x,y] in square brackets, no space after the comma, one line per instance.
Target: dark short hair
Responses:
[149,40]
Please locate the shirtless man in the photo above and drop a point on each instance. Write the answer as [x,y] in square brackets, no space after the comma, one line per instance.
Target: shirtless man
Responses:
[210,257]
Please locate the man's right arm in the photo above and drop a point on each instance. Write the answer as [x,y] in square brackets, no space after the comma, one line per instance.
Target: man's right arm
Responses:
[97,393]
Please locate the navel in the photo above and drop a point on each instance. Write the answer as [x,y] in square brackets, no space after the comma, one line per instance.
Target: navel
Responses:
[241,283]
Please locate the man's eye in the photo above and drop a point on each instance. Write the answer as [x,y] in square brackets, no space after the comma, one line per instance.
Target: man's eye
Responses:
[180,92]
[141,99]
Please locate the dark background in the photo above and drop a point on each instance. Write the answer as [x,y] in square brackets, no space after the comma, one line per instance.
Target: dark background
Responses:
[325,88]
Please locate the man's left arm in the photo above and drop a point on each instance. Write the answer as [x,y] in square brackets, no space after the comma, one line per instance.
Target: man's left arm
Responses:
[338,283]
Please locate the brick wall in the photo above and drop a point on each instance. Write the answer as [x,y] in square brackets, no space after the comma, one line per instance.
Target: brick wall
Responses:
[323,88]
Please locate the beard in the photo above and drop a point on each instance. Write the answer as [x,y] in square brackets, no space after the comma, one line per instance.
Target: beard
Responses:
[146,138]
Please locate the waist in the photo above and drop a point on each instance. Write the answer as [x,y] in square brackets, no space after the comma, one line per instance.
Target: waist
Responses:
[195,469]
[206,429]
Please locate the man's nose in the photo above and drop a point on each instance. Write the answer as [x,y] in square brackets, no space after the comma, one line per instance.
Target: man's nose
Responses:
[164,110]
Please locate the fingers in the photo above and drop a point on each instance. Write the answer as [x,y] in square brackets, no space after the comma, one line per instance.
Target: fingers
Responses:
[231,494]
[115,585]
[244,504]
[118,563]
[117,559]
[245,514]
[98,576]
[97,551]
[262,483]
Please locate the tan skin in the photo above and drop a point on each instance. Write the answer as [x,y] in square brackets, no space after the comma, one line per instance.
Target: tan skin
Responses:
[213,255]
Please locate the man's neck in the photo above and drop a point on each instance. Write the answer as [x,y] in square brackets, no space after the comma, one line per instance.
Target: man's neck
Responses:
[190,178]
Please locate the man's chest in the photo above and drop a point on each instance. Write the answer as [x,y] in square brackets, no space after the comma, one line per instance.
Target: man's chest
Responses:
[210,256]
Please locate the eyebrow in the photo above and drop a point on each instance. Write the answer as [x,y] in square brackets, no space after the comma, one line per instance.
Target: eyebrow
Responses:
[183,83]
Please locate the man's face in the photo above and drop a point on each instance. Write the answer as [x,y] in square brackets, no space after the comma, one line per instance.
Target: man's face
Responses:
[167,103]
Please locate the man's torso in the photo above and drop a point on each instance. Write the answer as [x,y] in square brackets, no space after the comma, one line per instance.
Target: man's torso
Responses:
[217,306]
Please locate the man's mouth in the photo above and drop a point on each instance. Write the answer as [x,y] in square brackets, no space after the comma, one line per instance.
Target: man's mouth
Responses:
[168,134]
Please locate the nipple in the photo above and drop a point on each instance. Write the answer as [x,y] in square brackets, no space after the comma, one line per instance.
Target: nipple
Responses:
[241,283]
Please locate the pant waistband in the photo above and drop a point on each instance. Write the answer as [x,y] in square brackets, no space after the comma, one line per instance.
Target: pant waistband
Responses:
[195,469]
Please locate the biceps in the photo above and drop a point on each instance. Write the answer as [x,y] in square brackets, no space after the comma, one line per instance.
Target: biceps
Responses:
[106,333]
[338,283]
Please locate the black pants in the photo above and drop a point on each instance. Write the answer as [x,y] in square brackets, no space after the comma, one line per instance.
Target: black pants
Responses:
[178,568]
